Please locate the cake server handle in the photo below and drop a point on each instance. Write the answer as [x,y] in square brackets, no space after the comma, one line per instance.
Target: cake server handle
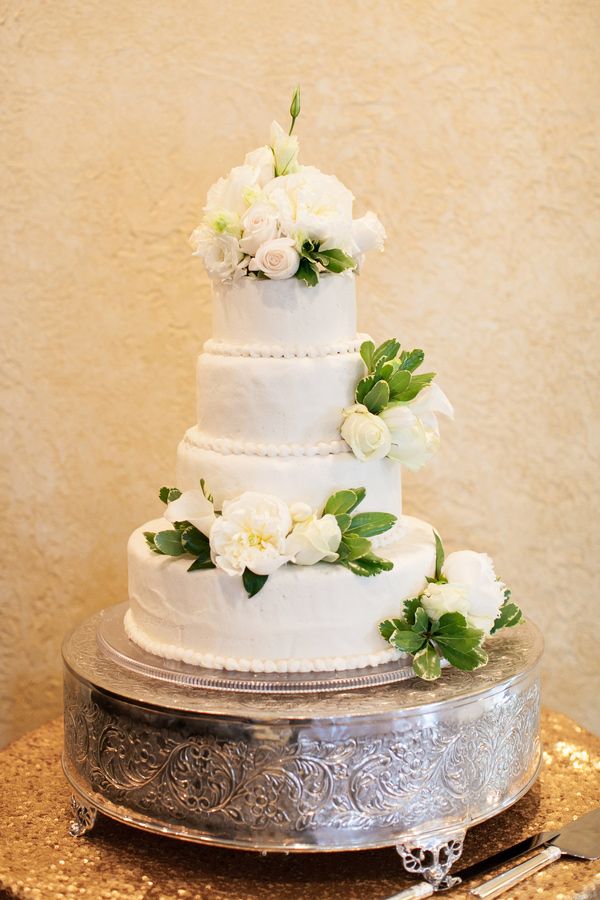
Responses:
[423,889]
[496,886]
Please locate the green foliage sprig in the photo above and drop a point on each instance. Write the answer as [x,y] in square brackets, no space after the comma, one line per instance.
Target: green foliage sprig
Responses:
[354,551]
[313,261]
[390,375]
[450,637]
[182,538]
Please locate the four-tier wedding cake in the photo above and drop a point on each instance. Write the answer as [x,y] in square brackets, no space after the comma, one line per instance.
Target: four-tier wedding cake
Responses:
[283,547]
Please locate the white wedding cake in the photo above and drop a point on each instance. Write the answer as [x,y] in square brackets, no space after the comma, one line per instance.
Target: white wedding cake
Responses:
[283,547]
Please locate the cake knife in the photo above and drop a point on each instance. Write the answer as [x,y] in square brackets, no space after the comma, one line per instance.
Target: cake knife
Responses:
[424,889]
[580,839]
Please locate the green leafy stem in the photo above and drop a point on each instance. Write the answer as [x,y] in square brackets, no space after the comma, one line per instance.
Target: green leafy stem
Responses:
[390,375]
[313,260]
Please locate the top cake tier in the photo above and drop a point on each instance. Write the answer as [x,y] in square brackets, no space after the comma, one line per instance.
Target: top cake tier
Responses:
[265,317]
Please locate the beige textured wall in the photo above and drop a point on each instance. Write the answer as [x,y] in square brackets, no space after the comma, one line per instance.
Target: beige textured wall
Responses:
[471,127]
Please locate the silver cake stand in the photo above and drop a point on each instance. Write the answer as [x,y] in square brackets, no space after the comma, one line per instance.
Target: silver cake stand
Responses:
[346,766]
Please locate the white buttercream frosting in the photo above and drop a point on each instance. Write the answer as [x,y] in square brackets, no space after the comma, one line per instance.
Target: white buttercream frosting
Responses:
[306,618]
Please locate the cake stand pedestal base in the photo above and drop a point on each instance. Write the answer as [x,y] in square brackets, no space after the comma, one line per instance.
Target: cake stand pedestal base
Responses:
[408,764]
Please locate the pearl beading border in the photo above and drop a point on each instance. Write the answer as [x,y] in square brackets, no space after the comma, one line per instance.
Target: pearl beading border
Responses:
[277,351]
[210,661]
[227,446]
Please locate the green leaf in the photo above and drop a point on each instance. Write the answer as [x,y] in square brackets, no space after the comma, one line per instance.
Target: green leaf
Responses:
[439,555]
[417,383]
[168,495]
[398,383]
[378,397]
[150,535]
[407,641]
[308,273]
[367,349]
[354,546]
[253,582]
[169,543]
[361,493]
[467,660]
[368,565]
[371,523]
[509,615]
[411,360]
[458,642]
[194,541]
[205,491]
[426,663]
[363,387]
[388,350]
[334,260]
[410,609]
[387,628]
[343,520]
[342,502]
[202,562]
[422,623]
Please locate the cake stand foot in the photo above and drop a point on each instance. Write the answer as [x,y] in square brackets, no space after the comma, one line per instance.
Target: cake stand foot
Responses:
[84,817]
[432,857]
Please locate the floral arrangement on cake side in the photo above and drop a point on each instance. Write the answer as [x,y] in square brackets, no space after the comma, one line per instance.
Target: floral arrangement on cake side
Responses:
[274,218]
[255,534]
[395,413]
[463,603]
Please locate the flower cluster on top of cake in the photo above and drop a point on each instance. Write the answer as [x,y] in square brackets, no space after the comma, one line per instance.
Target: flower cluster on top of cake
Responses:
[274,218]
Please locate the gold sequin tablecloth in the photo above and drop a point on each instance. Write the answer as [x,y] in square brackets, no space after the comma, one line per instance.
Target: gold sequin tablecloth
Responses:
[39,860]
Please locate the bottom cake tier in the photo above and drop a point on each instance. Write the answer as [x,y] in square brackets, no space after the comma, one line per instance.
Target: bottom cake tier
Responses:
[305,619]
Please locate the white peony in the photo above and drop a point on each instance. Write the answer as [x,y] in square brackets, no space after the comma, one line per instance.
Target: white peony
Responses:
[313,206]
[414,428]
[368,233]
[277,259]
[313,540]
[251,534]
[438,599]
[260,225]
[193,507]
[230,192]
[220,253]
[367,434]
[485,594]
[263,161]
[285,150]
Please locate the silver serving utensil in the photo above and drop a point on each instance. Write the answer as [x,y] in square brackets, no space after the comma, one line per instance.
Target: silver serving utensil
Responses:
[424,889]
[580,839]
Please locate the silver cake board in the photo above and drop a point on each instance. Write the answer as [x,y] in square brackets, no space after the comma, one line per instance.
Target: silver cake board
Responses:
[406,763]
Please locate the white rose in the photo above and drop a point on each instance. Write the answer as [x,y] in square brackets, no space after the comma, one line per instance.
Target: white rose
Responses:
[277,259]
[220,253]
[367,435]
[285,150]
[438,599]
[314,540]
[368,233]
[263,161]
[485,594]
[260,225]
[251,534]
[230,192]
[193,507]
[414,428]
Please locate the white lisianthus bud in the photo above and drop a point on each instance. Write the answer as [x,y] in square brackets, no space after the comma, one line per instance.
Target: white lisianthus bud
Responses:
[260,225]
[314,540]
[484,593]
[263,161]
[251,534]
[414,428]
[300,512]
[368,233]
[438,599]
[285,150]
[193,507]
[367,434]
[278,259]
[220,253]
